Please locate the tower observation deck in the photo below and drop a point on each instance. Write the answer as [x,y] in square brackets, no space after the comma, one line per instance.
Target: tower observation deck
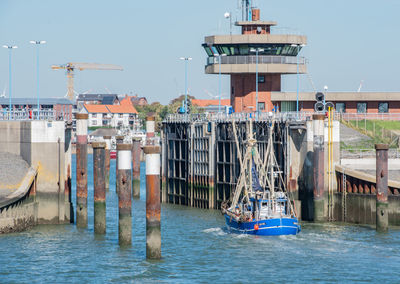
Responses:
[254,50]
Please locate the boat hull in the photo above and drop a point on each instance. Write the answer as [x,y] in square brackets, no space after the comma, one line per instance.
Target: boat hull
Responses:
[268,227]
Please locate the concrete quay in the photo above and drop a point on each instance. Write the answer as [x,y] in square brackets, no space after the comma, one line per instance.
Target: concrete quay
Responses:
[45,148]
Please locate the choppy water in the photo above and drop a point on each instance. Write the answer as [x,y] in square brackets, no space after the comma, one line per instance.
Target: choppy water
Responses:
[196,248]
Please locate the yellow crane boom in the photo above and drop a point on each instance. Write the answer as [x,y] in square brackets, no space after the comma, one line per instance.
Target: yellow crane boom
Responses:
[72,66]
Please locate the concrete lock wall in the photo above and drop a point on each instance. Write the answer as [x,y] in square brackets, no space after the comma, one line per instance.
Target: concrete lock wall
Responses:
[42,144]
[302,165]
[361,208]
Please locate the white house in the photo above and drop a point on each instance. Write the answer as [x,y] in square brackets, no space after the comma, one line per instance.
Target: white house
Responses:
[123,114]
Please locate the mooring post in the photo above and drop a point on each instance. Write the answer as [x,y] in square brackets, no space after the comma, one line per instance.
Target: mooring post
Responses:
[153,206]
[124,181]
[150,128]
[119,139]
[107,140]
[81,169]
[382,219]
[99,173]
[136,167]
[319,171]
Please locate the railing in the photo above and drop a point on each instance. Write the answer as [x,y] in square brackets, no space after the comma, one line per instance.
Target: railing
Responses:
[29,114]
[251,59]
[239,116]
[368,116]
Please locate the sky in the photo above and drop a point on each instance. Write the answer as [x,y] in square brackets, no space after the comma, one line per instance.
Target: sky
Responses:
[348,42]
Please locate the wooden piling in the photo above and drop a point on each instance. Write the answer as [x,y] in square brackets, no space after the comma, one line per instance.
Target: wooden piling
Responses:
[153,206]
[81,169]
[136,167]
[99,173]
[107,140]
[382,219]
[319,171]
[124,180]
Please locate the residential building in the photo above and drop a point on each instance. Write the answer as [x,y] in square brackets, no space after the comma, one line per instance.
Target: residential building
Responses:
[105,99]
[139,101]
[123,114]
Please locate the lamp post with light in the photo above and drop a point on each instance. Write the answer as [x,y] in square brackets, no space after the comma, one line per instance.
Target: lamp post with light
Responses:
[38,43]
[228,15]
[219,81]
[257,50]
[298,79]
[10,48]
[186,63]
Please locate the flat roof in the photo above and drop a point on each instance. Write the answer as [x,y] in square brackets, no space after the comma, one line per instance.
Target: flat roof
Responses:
[256,23]
[337,96]
[255,38]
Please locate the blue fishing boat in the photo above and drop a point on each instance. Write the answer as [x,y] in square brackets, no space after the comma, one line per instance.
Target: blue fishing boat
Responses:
[260,204]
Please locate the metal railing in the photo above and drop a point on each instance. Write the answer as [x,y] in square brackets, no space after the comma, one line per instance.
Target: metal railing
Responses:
[30,114]
[238,116]
[368,116]
[251,59]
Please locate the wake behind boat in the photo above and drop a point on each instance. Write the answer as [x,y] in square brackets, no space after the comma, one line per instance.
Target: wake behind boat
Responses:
[260,203]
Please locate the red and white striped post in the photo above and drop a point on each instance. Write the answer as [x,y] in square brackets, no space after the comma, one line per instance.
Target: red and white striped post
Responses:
[153,207]
[81,169]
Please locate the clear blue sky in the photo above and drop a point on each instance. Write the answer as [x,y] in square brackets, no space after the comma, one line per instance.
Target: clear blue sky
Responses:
[348,41]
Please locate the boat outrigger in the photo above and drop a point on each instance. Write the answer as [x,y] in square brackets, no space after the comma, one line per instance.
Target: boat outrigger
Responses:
[260,204]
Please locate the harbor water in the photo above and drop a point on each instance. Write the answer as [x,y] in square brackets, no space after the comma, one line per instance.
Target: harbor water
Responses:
[196,247]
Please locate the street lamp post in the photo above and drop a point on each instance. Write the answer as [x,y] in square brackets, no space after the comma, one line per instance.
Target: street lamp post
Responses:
[219,81]
[186,63]
[10,48]
[37,42]
[298,79]
[257,50]
[229,15]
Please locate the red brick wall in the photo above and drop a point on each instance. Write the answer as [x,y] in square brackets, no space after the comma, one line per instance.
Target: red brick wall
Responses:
[253,30]
[244,91]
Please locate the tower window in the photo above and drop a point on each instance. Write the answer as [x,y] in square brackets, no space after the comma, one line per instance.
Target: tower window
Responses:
[261,106]
[261,79]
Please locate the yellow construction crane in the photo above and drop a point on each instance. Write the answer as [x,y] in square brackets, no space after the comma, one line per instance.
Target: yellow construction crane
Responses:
[70,68]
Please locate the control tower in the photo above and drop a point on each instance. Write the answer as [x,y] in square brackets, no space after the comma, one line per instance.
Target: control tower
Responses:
[254,51]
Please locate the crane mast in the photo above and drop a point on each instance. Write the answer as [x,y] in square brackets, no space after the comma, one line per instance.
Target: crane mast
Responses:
[70,68]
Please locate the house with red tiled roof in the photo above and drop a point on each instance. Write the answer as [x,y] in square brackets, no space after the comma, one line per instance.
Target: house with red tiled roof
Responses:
[212,106]
[122,114]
